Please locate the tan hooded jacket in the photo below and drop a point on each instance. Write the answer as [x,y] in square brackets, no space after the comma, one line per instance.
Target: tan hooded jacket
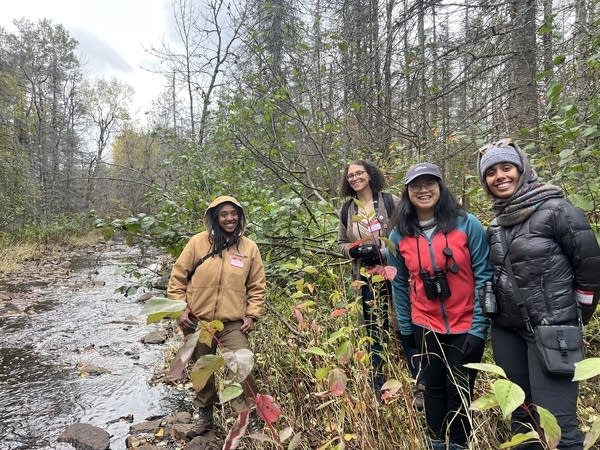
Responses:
[227,286]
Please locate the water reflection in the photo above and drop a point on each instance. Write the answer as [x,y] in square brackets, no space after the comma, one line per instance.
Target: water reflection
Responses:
[78,323]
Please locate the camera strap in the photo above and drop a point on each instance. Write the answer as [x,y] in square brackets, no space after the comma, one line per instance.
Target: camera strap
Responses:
[516,290]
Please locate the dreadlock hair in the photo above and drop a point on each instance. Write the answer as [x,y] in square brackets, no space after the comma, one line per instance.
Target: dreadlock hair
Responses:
[377,179]
[446,212]
[219,240]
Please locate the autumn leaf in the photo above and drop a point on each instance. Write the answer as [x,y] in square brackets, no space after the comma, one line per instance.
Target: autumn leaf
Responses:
[299,318]
[389,273]
[338,312]
[183,355]
[357,284]
[267,408]
[208,331]
[239,362]
[158,308]
[344,352]
[204,368]
[237,431]
[337,382]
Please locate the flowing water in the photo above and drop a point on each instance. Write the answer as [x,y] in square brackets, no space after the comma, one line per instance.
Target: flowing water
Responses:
[79,321]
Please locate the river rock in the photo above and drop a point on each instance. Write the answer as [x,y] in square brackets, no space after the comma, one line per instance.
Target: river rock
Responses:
[148,426]
[87,369]
[155,337]
[83,436]
[172,429]
[208,441]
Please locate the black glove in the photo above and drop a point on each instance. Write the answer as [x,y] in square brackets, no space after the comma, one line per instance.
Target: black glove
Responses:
[408,340]
[355,252]
[473,348]
[367,254]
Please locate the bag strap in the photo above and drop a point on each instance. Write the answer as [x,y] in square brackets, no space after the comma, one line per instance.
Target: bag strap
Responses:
[517,290]
[344,212]
[205,257]
[511,276]
[388,202]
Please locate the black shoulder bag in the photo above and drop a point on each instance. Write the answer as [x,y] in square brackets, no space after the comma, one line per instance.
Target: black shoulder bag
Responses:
[558,346]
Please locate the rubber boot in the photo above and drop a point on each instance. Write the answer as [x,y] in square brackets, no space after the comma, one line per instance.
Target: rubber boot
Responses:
[204,422]
[419,401]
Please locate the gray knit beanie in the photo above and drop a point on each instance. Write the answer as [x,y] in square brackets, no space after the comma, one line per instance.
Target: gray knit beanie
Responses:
[495,155]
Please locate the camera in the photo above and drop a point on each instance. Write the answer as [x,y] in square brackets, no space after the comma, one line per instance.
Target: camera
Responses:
[435,284]
[488,300]
[368,254]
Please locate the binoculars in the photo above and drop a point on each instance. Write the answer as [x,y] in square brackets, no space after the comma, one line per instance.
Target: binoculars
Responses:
[488,300]
[436,284]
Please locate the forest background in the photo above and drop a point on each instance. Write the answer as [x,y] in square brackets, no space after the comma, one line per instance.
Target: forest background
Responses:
[267,101]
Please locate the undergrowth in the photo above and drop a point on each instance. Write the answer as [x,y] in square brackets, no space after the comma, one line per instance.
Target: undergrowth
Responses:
[36,240]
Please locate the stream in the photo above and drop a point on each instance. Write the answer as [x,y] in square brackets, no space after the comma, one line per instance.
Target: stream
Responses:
[74,321]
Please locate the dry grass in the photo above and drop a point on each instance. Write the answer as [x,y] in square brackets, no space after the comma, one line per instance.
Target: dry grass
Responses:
[14,253]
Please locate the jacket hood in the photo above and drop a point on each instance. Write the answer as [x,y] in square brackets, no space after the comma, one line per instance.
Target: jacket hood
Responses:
[216,202]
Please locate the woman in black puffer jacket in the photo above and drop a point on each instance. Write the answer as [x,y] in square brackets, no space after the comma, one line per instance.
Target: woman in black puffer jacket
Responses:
[555,260]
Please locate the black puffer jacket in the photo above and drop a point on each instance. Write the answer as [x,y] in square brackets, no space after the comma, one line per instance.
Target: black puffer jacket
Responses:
[551,252]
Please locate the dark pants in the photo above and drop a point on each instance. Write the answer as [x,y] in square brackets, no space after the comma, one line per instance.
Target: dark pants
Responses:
[232,339]
[375,314]
[448,385]
[413,361]
[516,354]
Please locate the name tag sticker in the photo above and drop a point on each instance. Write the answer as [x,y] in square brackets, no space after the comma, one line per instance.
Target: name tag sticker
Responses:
[236,261]
[374,225]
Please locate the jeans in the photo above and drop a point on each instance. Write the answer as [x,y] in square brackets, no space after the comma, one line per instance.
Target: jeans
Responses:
[515,353]
[448,385]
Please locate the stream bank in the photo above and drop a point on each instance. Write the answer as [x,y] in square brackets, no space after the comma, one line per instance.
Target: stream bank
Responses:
[71,350]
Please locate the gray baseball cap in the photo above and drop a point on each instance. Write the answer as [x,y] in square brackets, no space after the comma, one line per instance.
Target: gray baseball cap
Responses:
[423,168]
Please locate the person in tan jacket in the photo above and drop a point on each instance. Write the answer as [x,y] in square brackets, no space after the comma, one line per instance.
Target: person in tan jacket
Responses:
[220,275]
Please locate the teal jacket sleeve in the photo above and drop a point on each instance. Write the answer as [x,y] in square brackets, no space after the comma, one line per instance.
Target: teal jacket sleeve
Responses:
[400,294]
[482,270]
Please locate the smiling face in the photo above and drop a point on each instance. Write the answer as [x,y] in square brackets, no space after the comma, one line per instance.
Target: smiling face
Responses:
[424,194]
[228,218]
[502,179]
[358,177]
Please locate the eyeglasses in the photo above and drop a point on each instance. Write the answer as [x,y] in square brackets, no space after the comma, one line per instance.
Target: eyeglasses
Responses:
[505,142]
[429,185]
[358,173]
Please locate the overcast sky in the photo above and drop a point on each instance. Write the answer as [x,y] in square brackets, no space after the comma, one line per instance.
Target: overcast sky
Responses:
[112,36]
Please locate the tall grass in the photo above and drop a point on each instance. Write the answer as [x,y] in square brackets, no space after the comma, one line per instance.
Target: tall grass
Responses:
[356,419]
[35,240]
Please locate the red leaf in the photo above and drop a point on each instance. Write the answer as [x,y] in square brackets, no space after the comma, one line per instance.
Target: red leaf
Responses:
[237,431]
[338,312]
[389,273]
[183,355]
[267,408]
[337,382]
[299,316]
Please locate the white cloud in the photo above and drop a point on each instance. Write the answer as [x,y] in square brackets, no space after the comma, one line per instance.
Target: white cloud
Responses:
[112,36]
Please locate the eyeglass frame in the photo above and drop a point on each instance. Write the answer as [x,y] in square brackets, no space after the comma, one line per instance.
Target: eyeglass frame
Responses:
[428,185]
[358,173]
